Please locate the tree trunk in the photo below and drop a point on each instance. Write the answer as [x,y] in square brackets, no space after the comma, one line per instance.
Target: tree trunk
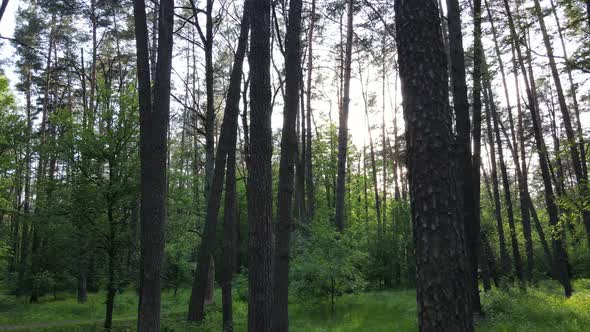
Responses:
[310,189]
[485,266]
[227,143]
[343,124]
[463,147]
[491,261]
[153,151]
[229,238]
[24,248]
[301,158]
[260,283]
[111,262]
[372,156]
[280,317]
[443,299]
[475,230]
[504,257]
[507,193]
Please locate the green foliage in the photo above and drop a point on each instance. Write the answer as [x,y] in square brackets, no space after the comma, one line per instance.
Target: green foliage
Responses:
[327,263]
[539,309]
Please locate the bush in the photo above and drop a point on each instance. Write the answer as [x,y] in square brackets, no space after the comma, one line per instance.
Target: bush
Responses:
[327,264]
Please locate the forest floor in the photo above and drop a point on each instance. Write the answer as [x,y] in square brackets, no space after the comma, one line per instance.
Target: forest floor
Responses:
[542,308]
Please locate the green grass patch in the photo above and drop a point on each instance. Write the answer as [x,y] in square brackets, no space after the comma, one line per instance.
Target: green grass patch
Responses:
[542,308]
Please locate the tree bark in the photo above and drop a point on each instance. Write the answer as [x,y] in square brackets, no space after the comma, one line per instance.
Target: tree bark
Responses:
[504,257]
[474,243]
[441,268]
[154,119]
[280,317]
[343,124]
[260,283]
[310,189]
[463,146]
[507,194]
[229,239]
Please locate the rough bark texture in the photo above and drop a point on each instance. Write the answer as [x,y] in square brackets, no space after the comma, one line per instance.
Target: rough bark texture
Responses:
[343,124]
[153,135]
[441,268]
[260,173]
[286,168]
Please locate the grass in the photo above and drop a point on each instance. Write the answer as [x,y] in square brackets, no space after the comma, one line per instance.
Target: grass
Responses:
[542,308]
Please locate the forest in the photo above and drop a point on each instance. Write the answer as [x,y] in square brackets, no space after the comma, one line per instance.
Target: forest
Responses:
[276,165]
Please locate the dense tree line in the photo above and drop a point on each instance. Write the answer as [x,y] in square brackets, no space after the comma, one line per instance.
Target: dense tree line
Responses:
[346,145]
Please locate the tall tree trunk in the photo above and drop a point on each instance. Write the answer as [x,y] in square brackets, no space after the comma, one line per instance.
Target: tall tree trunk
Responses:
[443,299]
[92,103]
[227,143]
[473,243]
[41,185]
[560,257]
[490,259]
[396,155]
[504,257]
[384,138]
[153,151]
[463,146]
[507,194]
[24,243]
[229,239]
[372,155]
[343,123]
[485,267]
[260,283]
[365,187]
[111,262]
[310,189]
[280,316]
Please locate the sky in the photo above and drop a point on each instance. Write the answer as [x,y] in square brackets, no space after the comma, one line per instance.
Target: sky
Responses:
[357,120]
[7,30]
